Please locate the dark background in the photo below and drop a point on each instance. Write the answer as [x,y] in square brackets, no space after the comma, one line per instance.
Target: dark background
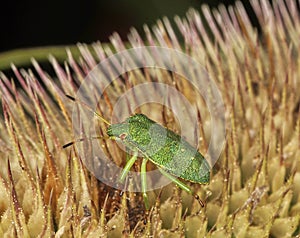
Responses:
[38,23]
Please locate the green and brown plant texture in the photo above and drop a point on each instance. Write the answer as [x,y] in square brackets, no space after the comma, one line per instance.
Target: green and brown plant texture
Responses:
[254,191]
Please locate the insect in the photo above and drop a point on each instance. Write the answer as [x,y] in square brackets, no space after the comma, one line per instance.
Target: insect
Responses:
[173,155]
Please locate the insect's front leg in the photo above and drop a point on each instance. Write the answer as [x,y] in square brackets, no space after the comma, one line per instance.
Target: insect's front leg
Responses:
[128,166]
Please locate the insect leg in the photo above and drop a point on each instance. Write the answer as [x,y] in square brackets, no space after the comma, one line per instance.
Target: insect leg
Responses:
[128,166]
[182,186]
[127,154]
[127,177]
[144,182]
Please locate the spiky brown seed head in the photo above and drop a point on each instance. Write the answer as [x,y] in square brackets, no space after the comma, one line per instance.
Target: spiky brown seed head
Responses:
[255,187]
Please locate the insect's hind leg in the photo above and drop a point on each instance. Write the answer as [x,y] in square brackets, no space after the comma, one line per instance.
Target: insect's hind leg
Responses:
[182,185]
[144,182]
[128,166]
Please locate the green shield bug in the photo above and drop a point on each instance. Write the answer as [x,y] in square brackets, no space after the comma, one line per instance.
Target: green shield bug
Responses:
[173,155]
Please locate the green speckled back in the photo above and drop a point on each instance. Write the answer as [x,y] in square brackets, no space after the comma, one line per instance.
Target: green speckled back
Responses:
[163,147]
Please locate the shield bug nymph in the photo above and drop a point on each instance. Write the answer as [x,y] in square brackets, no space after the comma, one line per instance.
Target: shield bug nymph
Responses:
[175,159]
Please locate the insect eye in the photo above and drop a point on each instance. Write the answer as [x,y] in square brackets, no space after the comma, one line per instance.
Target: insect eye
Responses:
[122,136]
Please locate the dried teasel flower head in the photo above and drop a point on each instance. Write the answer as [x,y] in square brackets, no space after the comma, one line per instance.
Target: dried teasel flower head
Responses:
[254,189]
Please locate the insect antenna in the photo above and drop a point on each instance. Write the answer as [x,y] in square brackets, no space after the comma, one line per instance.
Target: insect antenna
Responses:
[89,108]
[81,139]
[95,113]
[68,144]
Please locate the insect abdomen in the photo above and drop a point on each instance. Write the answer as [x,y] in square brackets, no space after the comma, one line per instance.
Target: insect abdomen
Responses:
[168,150]
[182,160]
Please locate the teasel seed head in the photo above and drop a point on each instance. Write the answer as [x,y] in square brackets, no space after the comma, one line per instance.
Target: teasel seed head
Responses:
[254,191]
